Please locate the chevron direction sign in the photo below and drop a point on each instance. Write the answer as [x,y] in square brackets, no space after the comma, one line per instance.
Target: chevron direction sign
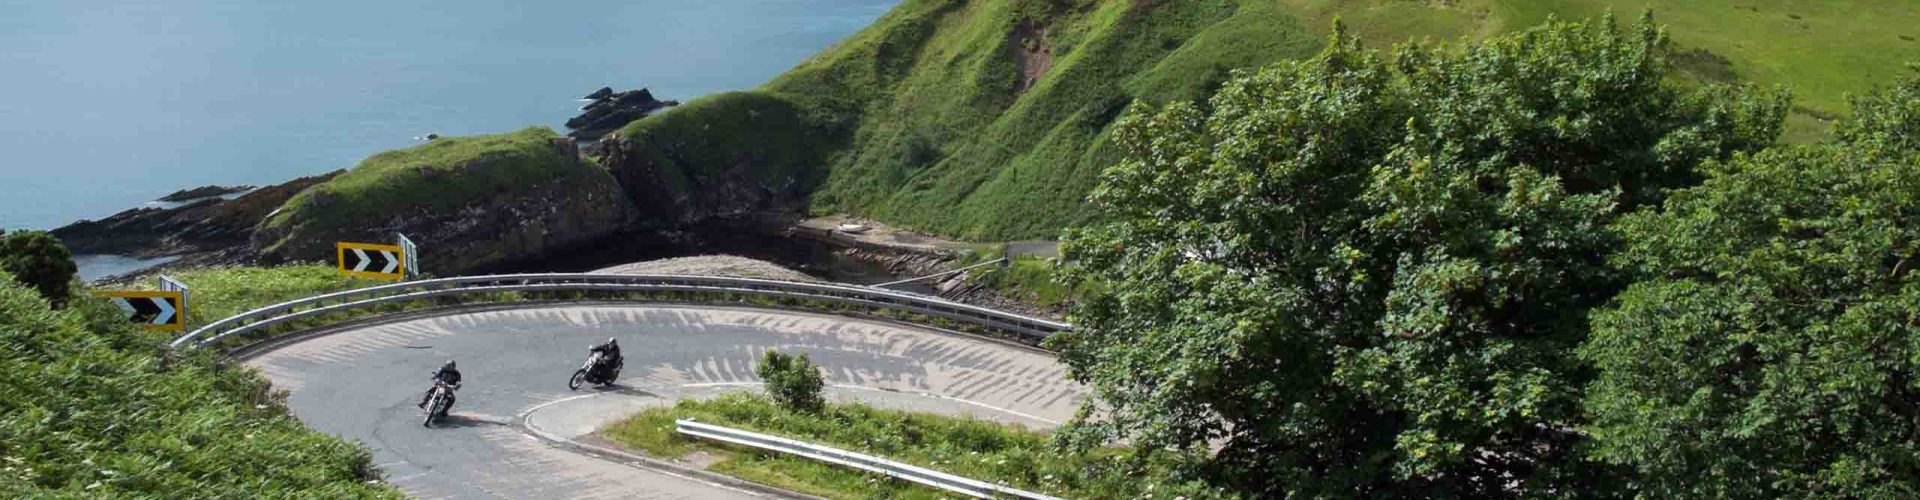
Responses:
[368,260]
[156,310]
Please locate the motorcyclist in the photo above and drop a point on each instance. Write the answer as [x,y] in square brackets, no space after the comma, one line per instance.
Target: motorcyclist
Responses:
[609,355]
[447,374]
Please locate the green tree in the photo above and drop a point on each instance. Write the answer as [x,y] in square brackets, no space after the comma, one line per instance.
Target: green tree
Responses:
[1888,117]
[1362,276]
[39,260]
[792,381]
[1771,347]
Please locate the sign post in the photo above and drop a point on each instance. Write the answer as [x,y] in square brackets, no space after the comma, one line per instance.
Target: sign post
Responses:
[168,284]
[368,260]
[159,310]
[410,255]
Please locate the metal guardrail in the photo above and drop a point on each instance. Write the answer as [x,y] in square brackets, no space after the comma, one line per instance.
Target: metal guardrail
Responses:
[970,487]
[1033,329]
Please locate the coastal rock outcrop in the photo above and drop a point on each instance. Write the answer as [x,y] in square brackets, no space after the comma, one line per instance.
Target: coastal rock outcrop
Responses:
[721,156]
[206,223]
[611,110]
[195,194]
[469,202]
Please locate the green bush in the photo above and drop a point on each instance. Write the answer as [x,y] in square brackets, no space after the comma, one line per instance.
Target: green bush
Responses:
[792,380]
[39,260]
[95,408]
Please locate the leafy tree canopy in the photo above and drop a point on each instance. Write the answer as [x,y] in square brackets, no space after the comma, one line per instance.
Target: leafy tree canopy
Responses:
[1355,274]
[1772,345]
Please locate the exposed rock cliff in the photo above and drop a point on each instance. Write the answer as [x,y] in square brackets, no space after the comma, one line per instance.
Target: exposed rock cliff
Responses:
[723,156]
[205,224]
[611,110]
[469,202]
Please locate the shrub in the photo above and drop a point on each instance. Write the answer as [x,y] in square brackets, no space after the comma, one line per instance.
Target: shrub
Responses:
[92,408]
[39,260]
[792,380]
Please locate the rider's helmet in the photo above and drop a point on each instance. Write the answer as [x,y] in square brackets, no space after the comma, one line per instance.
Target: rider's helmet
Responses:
[611,342]
[448,366]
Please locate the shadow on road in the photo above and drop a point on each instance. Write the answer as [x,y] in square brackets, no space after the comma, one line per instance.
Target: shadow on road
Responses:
[620,389]
[458,421]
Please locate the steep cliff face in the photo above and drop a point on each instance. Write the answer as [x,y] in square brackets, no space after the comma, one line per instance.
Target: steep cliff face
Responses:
[722,156]
[469,202]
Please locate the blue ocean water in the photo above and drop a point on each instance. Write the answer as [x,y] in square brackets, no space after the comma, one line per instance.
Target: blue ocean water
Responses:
[106,104]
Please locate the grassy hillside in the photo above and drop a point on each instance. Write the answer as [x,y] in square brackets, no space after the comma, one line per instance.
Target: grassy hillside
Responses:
[989,119]
[476,200]
[93,408]
[439,176]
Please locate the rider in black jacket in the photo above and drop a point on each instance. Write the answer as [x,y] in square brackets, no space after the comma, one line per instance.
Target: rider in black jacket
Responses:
[447,375]
[610,353]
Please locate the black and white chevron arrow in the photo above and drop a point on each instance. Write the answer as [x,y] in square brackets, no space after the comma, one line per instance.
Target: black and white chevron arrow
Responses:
[147,310]
[359,260]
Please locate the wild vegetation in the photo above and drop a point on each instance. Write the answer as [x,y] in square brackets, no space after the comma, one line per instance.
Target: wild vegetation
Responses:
[1537,265]
[973,448]
[38,260]
[438,175]
[96,408]
[792,380]
[993,119]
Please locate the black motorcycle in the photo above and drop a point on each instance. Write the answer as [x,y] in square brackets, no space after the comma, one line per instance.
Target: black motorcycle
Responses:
[598,370]
[438,403]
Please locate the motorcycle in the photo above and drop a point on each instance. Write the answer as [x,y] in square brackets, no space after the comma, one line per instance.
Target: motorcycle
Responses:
[593,373]
[438,403]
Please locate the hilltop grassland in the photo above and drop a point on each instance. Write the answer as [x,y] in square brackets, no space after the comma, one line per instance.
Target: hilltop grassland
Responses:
[992,119]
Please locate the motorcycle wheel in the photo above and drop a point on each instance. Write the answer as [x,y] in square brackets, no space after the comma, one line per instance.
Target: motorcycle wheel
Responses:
[433,410]
[579,377]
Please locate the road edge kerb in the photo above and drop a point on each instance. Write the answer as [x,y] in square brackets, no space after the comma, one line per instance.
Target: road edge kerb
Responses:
[523,422]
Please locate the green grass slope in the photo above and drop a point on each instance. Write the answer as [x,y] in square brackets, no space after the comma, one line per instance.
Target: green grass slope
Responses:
[478,200]
[92,408]
[989,119]
[440,175]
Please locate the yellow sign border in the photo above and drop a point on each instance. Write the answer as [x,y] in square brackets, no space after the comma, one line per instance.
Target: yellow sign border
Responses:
[340,260]
[179,306]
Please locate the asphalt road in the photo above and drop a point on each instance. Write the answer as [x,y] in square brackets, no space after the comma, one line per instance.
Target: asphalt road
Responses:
[363,383]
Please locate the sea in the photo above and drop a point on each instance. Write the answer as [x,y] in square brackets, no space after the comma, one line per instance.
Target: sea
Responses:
[106,105]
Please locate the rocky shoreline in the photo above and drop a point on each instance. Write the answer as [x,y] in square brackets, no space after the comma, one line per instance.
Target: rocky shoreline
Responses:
[506,202]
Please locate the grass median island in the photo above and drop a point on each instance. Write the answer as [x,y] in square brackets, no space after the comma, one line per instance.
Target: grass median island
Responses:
[94,407]
[977,449]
